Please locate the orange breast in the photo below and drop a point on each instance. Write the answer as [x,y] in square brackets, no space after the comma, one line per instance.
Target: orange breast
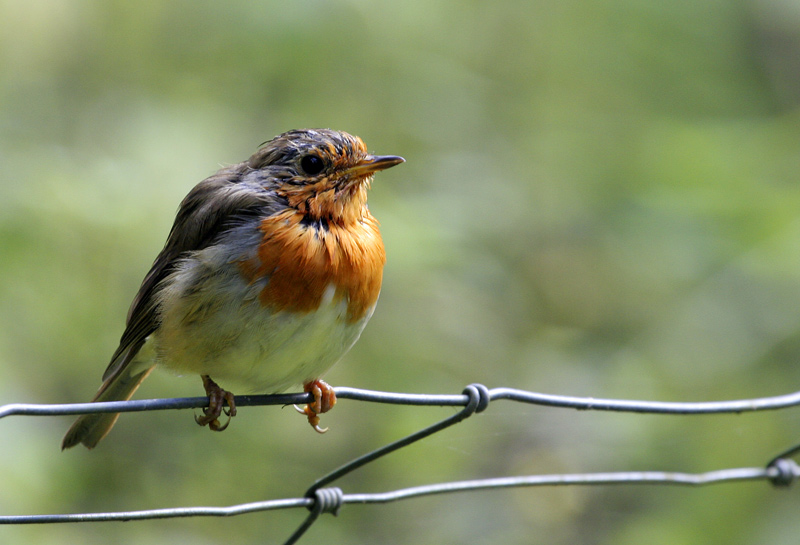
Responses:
[301,262]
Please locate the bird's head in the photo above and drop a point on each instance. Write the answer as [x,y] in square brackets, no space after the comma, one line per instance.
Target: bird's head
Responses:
[323,174]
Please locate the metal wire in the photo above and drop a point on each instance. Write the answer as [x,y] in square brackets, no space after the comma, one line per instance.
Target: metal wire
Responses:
[780,471]
[394,398]
[616,478]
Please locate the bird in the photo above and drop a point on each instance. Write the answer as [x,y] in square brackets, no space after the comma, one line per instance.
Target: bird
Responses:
[269,274]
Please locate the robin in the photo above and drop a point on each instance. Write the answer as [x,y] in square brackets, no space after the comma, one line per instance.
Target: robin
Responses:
[270,273]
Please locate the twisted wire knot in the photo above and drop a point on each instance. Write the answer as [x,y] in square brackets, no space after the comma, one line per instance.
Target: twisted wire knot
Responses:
[479,398]
[327,500]
[785,472]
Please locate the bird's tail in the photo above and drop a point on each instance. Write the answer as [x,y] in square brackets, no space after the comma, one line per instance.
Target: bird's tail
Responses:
[89,429]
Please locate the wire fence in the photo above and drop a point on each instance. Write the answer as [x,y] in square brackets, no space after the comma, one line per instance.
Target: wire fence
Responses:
[320,498]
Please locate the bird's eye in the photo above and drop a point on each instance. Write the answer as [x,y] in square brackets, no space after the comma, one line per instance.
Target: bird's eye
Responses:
[312,165]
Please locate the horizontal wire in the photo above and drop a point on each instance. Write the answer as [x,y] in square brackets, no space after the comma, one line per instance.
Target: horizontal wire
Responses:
[615,478]
[781,471]
[656,407]
[394,398]
[627,477]
[150,514]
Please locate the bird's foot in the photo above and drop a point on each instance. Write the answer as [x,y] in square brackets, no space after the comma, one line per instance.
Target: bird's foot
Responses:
[217,397]
[324,400]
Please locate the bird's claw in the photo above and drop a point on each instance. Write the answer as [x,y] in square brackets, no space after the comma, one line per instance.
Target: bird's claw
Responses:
[217,398]
[324,400]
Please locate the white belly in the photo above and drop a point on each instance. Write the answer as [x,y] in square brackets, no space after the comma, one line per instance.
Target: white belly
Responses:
[215,325]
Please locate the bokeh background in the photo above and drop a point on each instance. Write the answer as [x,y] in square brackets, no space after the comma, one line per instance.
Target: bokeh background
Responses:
[600,198]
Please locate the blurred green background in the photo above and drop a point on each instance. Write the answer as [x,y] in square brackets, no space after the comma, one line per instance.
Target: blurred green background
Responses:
[601,199]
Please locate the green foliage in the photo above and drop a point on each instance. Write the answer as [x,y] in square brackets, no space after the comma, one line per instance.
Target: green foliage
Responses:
[600,198]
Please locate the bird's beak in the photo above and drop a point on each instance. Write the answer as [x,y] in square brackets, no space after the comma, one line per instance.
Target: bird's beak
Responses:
[373,163]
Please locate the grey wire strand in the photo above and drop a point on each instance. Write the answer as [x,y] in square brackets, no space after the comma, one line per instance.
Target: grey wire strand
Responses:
[150,514]
[477,396]
[629,477]
[478,400]
[656,407]
[372,396]
[780,471]
[615,478]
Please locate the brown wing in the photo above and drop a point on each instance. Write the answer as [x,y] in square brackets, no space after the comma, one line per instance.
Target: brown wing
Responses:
[211,208]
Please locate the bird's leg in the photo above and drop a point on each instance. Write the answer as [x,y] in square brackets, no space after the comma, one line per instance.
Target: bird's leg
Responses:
[324,400]
[217,397]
